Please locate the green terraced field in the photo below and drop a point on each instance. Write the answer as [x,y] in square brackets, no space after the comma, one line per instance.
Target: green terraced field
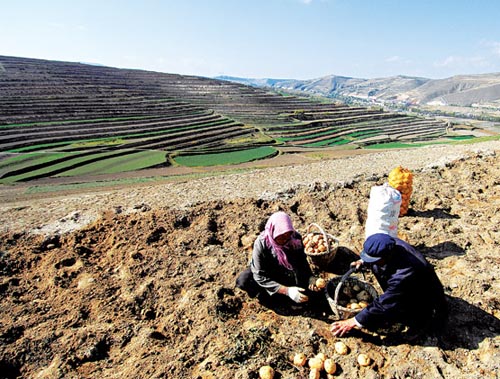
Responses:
[228,158]
[131,162]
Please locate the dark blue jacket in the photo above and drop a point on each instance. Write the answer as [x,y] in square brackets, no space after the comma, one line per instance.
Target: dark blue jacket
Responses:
[413,294]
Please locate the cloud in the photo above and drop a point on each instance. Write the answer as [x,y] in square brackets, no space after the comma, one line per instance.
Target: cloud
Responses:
[448,61]
[493,46]
[484,58]
[464,64]
[306,1]
[397,59]
[394,58]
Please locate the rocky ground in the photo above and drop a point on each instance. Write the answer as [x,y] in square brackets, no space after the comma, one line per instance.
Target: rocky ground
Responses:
[139,282]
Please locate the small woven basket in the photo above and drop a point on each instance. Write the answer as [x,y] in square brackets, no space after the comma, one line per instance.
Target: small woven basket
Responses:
[332,291]
[321,260]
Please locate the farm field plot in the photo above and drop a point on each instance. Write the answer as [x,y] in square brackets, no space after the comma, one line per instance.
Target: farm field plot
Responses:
[82,118]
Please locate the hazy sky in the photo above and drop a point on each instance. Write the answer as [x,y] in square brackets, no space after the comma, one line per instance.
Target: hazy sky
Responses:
[300,39]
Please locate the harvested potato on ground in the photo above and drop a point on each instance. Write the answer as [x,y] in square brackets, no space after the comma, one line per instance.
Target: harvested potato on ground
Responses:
[299,359]
[266,372]
[314,373]
[330,366]
[316,363]
[363,360]
[321,356]
[341,348]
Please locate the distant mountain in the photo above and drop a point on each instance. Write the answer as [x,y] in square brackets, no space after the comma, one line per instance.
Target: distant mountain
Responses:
[463,90]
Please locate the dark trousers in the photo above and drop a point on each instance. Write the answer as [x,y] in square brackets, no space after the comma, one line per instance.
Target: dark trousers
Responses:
[245,281]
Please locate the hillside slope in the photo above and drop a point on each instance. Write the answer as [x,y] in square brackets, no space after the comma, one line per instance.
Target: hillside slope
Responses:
[146,288]
[68,119]
[460,90]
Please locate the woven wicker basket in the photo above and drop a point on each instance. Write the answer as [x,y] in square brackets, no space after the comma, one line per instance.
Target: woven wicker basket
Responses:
[332,291]
[319,261]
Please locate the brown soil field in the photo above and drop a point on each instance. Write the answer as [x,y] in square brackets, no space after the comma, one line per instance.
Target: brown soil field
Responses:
[138,282]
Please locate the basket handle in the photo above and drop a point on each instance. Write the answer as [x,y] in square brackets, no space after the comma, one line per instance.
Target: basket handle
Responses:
[341,282]
[325,236]
[317,226]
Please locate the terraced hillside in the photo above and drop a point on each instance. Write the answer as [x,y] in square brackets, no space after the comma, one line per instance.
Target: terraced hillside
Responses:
[68,119]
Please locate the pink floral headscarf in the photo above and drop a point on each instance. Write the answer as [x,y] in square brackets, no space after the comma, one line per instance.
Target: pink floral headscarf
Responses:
[278,224]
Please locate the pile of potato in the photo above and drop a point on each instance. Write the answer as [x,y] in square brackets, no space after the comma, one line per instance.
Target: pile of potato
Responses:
[318,363]
[316,244]
[352,296]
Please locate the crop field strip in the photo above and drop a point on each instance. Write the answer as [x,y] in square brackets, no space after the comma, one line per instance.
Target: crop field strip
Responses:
[72,161]
[109,121]
[69,163]
[173,139]
[384,122]
[10,140]
[61,108]
[179,141]
[418,128]
[386,127]
[93,113]
[312,127]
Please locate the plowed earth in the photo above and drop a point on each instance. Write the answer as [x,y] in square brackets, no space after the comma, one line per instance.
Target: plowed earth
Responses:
[150,294]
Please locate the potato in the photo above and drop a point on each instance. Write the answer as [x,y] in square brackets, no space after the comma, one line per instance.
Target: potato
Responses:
[314,373]
[363,360]
[316,363]
[330,366]
[363,304]
[320,283]
[321,356]
[266,372]
[341,348]
[299,359]
[363,296]
[346,290]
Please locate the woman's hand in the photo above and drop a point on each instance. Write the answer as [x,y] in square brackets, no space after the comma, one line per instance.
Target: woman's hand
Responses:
[316,284]
[339,328]
[297,294]
[312,284]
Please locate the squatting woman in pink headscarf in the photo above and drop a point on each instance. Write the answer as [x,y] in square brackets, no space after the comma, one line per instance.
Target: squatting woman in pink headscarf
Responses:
[279,265]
